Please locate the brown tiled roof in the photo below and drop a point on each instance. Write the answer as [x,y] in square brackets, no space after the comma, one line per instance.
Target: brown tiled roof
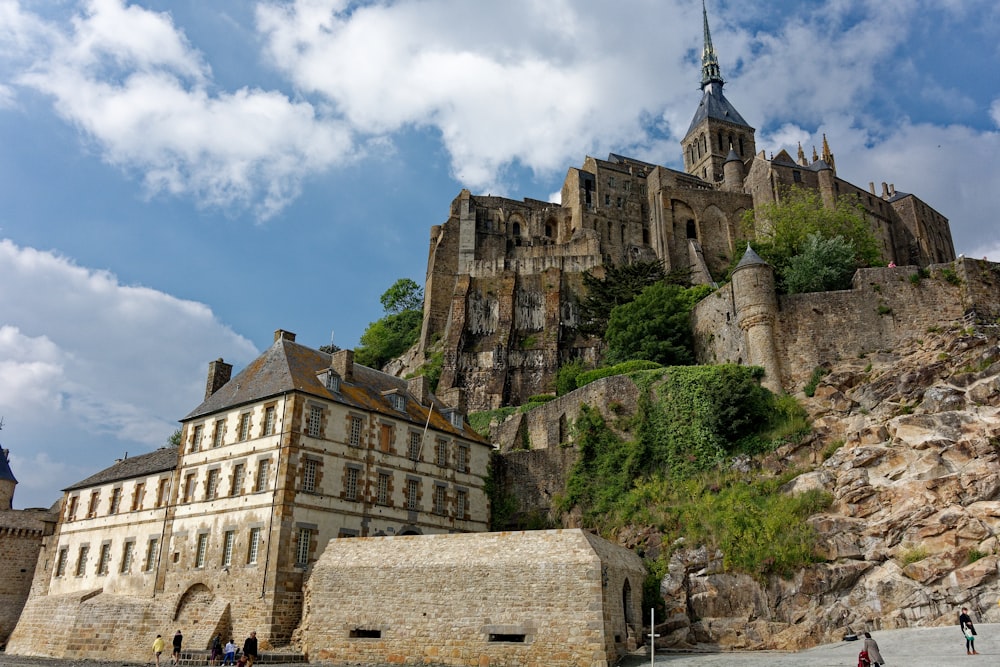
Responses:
[162,460]
[287,366]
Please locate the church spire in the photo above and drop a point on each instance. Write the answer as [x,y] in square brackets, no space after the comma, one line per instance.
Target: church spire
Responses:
[710,72]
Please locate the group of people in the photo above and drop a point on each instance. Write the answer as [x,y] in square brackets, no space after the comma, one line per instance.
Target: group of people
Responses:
[870,655]
[226,653]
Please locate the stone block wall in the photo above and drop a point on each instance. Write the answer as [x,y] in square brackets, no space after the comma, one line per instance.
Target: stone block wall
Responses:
[22,533]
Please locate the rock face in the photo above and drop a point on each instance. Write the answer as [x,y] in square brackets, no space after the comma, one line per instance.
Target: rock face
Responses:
[907,443]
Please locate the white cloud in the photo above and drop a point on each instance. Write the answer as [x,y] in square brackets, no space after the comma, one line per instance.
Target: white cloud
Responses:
[995,112]
[92,367]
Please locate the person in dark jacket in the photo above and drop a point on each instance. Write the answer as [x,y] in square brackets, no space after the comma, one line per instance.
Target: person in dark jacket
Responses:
[250,648]
[969,630]
[178,638]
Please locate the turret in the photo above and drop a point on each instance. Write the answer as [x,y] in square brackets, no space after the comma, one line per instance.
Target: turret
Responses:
[756,309]
[733,172]
[7,481]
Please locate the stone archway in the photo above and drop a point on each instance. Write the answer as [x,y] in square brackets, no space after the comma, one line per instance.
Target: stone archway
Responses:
[194,606]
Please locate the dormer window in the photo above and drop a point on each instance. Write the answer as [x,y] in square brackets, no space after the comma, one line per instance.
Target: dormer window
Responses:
[330,380]
[396,400]
[456,418]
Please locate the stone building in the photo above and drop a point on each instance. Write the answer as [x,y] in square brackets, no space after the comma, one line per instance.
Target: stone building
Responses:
[218,534]
[504,277]
[541,598]
[21,536]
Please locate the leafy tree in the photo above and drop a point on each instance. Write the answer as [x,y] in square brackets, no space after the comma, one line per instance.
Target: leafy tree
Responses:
[823,264]
[175,439]
[389,337]
[620,284]
[329,349]
[655,326]
[566,377]
[783,230]
[404,294]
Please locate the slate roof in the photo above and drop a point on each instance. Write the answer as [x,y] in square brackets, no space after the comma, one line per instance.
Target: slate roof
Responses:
[715,105]
[287,366]
[162,460]
[750,258]
[5,471]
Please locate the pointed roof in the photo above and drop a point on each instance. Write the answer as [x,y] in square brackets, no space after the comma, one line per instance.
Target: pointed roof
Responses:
[713,103]
[750,258]
[733,157]
[6,475]
[287,366]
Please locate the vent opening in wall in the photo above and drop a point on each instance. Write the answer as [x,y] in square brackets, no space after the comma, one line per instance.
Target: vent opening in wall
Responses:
[506,637]
[365,633]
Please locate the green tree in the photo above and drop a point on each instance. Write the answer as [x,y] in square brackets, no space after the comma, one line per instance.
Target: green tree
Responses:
[404,294]
[619,285]
[655,326]
[175,439]
[823,264]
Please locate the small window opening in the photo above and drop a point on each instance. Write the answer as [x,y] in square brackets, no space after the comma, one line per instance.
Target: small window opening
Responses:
[691,231]
[365,633]
[504,637]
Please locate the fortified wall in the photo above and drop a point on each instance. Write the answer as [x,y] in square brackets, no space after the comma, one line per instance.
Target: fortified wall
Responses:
[21,535]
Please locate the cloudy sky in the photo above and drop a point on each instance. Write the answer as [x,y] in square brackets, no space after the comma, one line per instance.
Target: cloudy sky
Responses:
[178,178]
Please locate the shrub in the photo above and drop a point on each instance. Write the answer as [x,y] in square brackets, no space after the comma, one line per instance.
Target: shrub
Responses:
[976,554]
[623,368]
[567,375]
[832,448]
[817,375]
[913,555]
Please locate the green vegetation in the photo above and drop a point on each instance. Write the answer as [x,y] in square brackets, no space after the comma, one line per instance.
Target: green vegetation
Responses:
[950,276]
[623,368]
[392,335]
[567,376]
[832,448]
[175,439]
[620,285]
[975,554]
[884,309]
[431,369]
[655,326]
[817,375]
[807,243]
[913,555]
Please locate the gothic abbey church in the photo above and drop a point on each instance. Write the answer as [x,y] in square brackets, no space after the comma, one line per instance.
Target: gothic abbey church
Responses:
[504,277]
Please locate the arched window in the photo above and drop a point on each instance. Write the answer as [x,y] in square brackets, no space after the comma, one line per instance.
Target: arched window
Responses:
[548,230]
[516,229]
[731,144]
[627,602]
[722,148]
[741,147]
[623,234]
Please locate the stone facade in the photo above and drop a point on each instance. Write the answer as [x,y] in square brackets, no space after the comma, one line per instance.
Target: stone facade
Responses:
[552,598]
[219,534]
[504,277]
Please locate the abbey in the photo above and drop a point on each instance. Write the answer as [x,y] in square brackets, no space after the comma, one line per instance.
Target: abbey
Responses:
[504,277]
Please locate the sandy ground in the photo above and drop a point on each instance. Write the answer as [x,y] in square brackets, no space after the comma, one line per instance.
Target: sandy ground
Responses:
[912,647]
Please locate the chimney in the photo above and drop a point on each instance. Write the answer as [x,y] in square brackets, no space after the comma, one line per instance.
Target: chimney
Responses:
[885,190]
[281,334]
[419,388]
[454,398]
[892,189]
[342,361]
[219,373]
[871,187]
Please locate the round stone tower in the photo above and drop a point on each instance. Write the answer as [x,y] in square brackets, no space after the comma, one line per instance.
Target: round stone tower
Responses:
[7,481]
[756,310]
[732,171]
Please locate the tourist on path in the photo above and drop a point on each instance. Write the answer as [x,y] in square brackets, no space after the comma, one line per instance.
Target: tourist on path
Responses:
[158,648]
[178,638]
[250,648]
[969,630]
[873,653]
[230,658]
[217,649]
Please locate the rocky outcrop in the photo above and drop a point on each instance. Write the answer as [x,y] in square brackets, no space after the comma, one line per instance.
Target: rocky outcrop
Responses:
[907,444]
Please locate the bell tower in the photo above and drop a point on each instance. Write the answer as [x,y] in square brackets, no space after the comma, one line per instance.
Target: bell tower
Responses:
[717,127]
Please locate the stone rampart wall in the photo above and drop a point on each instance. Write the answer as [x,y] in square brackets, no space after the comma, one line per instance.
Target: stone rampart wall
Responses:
[21,535]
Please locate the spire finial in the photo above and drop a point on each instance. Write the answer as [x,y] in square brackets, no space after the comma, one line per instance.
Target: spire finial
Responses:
[802,154]
[827,155]
[710,72]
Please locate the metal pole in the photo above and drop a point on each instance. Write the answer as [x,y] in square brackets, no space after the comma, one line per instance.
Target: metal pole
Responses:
[652,635]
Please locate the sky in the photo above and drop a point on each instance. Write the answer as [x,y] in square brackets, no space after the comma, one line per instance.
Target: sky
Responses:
[179,178]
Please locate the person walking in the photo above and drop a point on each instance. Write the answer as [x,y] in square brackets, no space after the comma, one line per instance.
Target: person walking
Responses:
[230,658]
[969,630]
[873,653]
[216,649]
[158,644]
[178,639]
[250,648]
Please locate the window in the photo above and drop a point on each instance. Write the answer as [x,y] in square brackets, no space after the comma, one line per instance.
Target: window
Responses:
[440,499]
[104,559]
[442,453]
[244,426]
[61,561]
[302,547]
[127,552]
[414,446]
[462,458]
[92,507]
[351,483]
[227,548]
[461,501]
[137,494]
[188,488]
[162,490]
[397,401]
[796,175]
[309,475]
[262,470]
[254,546]
[412,494]
[220,431]
[236,485]
[385,438]
[196,437]
[383,489]
[152,548]
[607,200]
[269,420]
[315,424]
[212,487]
[81,560]
[199,559]
[116,500]
[71,510]
[355,432]
[333,381]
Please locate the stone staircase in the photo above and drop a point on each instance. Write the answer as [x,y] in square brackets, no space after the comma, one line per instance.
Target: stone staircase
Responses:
[280,657]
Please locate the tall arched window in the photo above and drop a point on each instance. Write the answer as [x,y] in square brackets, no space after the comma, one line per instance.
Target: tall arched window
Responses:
[627,602]
[516,229]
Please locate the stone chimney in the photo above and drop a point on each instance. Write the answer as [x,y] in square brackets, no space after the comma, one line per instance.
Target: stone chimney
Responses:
[419,388]
[342,361]
[219,373]
[281,334]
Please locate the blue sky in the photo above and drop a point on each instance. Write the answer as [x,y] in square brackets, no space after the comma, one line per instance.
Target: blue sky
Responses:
[179,179]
